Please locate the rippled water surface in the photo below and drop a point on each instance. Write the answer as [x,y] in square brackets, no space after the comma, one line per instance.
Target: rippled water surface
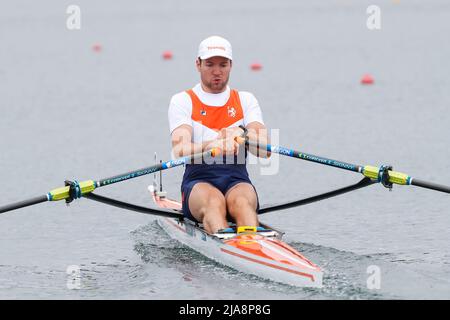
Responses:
[70,112]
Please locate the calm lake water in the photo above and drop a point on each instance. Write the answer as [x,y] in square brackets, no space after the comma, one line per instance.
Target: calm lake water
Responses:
[70,112]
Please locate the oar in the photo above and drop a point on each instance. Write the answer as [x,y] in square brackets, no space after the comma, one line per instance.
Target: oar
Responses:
[74,190]
[383,174]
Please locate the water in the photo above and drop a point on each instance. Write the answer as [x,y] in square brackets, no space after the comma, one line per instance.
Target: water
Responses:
[70,112]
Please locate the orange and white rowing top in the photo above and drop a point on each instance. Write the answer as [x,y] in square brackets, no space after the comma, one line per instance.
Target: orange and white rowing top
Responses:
[207,113]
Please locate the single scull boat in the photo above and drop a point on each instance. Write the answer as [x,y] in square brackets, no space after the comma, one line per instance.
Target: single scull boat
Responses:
[259,251]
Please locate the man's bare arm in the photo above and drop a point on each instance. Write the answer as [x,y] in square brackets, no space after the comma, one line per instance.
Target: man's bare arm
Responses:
[182,144]
[258,132]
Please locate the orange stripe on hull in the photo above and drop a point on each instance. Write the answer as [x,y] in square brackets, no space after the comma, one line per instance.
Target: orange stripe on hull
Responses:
[269,264]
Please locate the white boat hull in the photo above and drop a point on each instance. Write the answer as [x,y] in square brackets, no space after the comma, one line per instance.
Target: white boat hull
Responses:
[302,274]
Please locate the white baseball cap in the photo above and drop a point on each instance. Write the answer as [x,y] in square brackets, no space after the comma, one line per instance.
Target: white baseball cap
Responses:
[215,46]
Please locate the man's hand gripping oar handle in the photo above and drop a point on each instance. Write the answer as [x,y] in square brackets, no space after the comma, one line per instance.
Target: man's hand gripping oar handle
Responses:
[243,137]
[240,140]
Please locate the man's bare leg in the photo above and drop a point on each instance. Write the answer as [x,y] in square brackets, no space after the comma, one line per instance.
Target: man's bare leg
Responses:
[241,201]
[207,204]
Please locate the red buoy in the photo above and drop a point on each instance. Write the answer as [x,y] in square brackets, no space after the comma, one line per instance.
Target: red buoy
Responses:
[256,66]
[367,79]
[97,47]
[167,55]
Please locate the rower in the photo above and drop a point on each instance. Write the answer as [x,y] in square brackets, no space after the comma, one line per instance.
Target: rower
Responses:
[211,115]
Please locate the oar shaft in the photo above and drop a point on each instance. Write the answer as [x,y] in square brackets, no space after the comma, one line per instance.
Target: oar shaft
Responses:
[129,175]
[155,168]
[306,156]
[86,187]
[372,172]
[430,185]
[90,185]
[24,203]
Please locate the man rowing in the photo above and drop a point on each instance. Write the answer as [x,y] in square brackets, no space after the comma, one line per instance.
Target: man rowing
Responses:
[209,116]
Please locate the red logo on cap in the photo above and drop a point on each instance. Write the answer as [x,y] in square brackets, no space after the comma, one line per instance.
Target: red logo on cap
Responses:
[216,47]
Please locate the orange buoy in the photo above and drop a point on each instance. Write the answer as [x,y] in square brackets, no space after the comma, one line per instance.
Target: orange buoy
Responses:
[256,66]
[97,47]
[367,79]
[167,55]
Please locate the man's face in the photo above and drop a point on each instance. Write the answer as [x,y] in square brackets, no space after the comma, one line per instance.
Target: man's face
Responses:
[214,73]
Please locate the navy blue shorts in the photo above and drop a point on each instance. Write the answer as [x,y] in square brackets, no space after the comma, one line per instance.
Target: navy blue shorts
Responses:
[223,183]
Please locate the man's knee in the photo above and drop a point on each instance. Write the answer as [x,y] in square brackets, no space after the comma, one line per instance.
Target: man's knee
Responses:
[207,200]
[241,203]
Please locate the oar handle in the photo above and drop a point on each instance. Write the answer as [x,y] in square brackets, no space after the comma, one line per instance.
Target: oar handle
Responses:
[240,140]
